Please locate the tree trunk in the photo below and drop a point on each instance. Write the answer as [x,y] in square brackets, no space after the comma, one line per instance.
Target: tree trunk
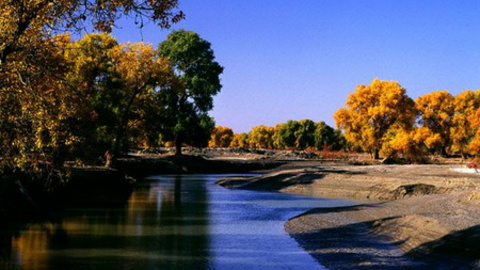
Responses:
[178,145]
[444,152]
[377,154]
[109,159]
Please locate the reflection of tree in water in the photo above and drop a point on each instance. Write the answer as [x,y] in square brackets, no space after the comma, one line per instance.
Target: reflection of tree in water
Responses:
[163,226]
[184,210]
[6,235]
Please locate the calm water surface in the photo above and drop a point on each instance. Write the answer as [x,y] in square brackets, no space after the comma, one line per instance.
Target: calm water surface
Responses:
[170,222]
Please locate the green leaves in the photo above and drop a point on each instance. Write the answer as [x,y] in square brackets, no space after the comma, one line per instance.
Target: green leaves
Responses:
[191,97]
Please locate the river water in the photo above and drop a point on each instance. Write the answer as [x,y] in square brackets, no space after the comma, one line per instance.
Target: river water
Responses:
[170,222]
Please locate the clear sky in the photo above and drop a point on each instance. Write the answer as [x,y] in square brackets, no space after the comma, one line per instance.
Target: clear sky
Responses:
[287,59]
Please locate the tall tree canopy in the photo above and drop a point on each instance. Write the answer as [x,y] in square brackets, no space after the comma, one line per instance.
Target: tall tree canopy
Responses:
[372,110]
[188,101]
[37,106]
[462,131]
[118,85]
[23,22]
[436,113]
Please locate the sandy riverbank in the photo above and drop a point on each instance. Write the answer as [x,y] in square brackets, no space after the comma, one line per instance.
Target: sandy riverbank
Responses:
[410,216]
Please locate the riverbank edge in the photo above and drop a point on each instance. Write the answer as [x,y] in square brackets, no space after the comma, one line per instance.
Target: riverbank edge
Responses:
[24,196]
[398,214]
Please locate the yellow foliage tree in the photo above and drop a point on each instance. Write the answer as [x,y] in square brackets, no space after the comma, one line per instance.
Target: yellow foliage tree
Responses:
[221,137]
[436,113]
[239,140]
[474,120]
[371,111]
[462,131]
[118,84]
[411,145]
[37,106]
[23,22]
[261,137]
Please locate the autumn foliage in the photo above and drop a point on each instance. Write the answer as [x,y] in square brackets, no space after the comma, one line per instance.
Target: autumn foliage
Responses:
[221,137]
[381,118]
[292,135]
[372,111]
[96,98]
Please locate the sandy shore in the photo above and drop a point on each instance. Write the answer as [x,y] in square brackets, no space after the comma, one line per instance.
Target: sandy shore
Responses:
[408,217]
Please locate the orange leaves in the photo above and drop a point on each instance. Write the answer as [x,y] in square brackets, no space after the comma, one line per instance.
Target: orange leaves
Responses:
[372,110]
[221,137]
[382,116]
[436,110]
[261,137]
[239,140]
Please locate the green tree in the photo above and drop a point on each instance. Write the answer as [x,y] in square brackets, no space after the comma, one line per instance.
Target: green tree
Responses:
[191,97]
[304,135]
[325,137]
[285,134]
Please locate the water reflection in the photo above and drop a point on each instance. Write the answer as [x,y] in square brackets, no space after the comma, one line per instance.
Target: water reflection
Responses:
[154,230]
[169,222]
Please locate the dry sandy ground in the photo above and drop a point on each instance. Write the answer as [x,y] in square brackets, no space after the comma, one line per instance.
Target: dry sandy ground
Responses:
[408,217]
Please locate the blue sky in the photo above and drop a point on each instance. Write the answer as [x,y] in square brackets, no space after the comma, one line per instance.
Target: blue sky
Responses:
[288,59]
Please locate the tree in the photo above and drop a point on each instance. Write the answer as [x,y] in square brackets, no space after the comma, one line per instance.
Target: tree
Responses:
[239,140]
[221,137]
[474,121]
[436,113]
[37,106]
[22,22]
[304,135]
[285,134]
[198,77]
[325,137]
[261,137]
[118,85]
[462,131]
[411,145]
[371,111]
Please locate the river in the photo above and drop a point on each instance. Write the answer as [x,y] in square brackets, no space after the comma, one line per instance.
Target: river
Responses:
[170,222]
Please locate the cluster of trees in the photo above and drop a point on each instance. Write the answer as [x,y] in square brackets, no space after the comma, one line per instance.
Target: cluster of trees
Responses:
[381,118]
[62,99]
[299,135]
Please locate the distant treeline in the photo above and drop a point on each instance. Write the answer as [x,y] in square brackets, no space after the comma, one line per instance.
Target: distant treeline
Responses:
[299,135]
[382,119]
